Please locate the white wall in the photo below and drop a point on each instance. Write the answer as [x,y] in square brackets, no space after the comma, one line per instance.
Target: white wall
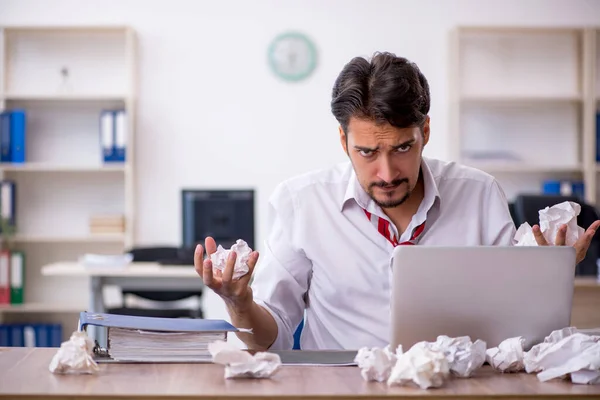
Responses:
[212,115]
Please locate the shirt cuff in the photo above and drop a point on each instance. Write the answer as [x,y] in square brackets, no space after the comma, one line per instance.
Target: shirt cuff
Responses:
[285,338]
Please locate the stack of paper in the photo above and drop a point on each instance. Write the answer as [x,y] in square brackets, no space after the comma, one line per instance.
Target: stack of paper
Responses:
[151,339]
[156,346]
[104,224]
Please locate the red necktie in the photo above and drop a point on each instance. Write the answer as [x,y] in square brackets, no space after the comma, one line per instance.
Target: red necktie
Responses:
[384,227]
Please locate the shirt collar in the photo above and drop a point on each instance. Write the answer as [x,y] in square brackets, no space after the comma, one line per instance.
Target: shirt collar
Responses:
[355,192]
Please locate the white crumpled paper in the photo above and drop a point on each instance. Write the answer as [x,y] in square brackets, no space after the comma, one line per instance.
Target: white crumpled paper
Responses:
[508,356]
[376,363]
[243,251]
[75,356]
[241,364]
[464,356]
[565,352]
[426,364]
[551,219]
[420,365]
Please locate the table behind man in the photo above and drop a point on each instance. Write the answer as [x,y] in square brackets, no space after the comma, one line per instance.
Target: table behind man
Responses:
[333,231]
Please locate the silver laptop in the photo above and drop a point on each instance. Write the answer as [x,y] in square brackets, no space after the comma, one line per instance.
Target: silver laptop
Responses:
[487,293]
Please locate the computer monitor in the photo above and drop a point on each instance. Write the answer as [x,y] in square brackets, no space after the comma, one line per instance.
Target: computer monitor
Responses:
[225,215]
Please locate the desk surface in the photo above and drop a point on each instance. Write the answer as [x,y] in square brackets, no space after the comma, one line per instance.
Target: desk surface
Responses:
[24,374]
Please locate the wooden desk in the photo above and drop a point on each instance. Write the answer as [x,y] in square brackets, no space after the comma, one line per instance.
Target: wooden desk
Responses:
[24,374]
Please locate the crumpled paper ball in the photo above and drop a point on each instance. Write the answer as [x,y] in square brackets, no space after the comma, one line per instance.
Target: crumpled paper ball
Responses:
[243,251]
[464,356]
[551,219]
[508,356]
[75,356]
[376,363]
[241,364]
[564,353]
[420,365]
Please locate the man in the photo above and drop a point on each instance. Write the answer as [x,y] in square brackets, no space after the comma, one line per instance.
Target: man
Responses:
[333,231]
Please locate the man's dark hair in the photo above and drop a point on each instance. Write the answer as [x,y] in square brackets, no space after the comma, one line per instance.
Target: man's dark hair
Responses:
[388,89]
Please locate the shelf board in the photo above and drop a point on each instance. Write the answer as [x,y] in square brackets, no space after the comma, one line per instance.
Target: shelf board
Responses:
[65,28]
[40,308]
[507,99]
[49,167]
[519,167]
[92,238]
[64,97]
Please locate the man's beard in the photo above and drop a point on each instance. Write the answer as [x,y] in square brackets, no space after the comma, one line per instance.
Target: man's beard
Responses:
[389,203]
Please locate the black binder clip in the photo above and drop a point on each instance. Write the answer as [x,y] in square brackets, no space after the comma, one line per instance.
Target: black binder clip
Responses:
[100,351]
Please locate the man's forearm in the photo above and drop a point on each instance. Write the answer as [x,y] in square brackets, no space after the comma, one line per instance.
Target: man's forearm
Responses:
[264,327]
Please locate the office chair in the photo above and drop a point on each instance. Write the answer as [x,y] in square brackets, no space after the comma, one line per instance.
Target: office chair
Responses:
[513,214]
[163,255]
[527,210]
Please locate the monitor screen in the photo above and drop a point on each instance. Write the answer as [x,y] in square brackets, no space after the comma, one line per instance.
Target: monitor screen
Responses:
[225,215]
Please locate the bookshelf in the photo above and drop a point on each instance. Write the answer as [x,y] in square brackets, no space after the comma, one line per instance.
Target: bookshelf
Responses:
[523,105]
[63,77]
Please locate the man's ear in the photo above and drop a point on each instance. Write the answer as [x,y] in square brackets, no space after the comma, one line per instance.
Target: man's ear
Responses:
[343,139]
[426,130]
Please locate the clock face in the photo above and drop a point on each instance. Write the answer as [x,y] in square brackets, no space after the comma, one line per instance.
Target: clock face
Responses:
[292,56]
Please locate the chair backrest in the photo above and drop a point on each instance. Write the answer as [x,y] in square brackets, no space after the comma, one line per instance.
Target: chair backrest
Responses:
[527,207]
[158,254]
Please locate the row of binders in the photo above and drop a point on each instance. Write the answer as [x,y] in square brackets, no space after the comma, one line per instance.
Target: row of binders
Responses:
[113,135]
[12,136]
[30,335]
[12,277]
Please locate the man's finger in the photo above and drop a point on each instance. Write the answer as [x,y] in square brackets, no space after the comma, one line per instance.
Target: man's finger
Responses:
[198,258]
[539,238]
[211,246]
[586,239]
[207,272]
[591,231]
[561,236]
[228,272]
[252,259]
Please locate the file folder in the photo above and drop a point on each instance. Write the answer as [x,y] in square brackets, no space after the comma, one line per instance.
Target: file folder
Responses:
[120,135]
[17,276]
[42,335]
[55,331]
[154,323]
[5,155]
[4,336]
[4,277]
[152,339]
[17,136]
[16,337]
[8,201]
[107,135]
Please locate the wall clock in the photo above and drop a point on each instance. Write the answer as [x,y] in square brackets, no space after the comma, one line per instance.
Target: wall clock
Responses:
[292,56]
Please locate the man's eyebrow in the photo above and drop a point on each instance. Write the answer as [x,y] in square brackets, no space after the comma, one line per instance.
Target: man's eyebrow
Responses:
[404,144]
[363,148]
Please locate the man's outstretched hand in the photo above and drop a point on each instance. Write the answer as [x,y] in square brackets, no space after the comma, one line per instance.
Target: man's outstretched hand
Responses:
[581,245]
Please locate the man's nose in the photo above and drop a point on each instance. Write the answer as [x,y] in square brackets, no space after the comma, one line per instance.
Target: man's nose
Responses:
[386,170]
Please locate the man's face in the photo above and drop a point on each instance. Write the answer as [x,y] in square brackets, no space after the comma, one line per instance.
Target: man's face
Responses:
[386,159]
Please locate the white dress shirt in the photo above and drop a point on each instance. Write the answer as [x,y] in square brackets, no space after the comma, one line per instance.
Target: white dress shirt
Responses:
[325,261]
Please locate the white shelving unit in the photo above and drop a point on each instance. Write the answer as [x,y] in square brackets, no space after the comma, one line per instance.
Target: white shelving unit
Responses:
[64,77]
[523,105]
